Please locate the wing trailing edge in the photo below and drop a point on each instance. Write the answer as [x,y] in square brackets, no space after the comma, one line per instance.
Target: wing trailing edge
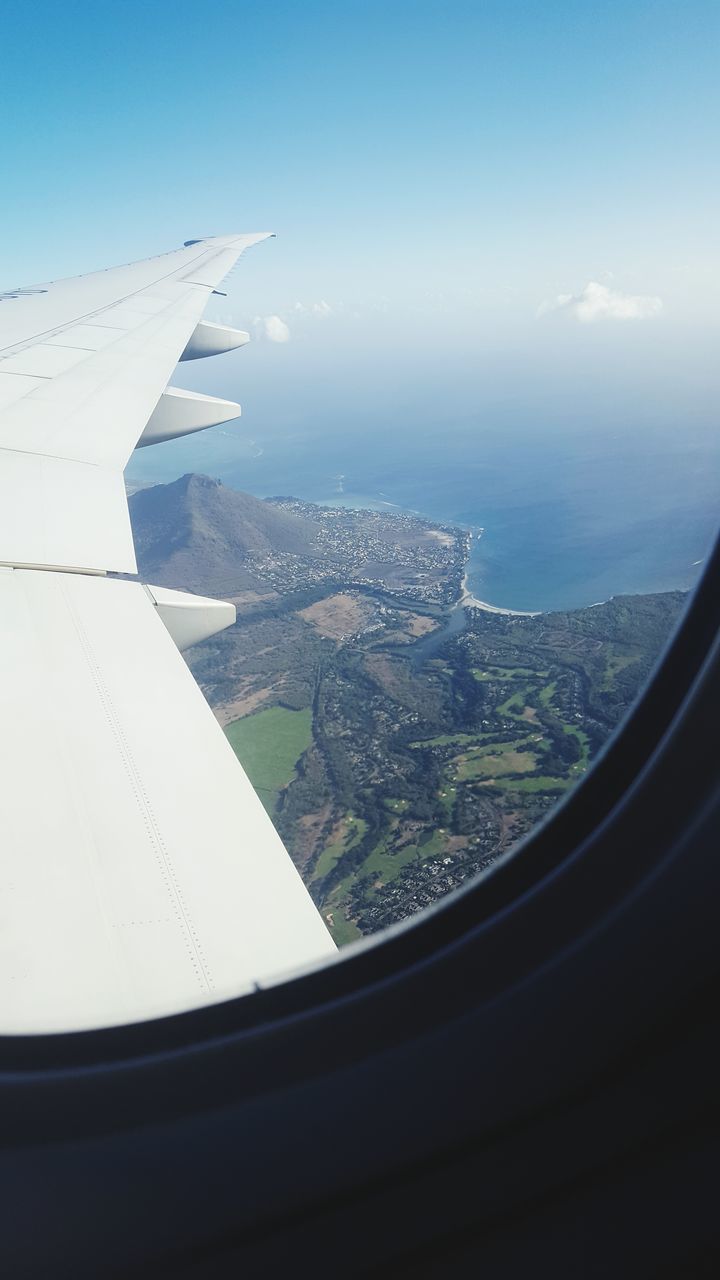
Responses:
[141,874]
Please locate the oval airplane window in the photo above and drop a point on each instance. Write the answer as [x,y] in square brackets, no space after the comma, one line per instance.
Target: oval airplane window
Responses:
[476,481]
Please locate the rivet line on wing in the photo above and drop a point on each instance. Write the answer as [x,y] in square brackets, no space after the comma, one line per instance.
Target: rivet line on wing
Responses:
[37,337]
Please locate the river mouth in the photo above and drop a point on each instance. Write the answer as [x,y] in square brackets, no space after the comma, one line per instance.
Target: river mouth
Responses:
[452,624]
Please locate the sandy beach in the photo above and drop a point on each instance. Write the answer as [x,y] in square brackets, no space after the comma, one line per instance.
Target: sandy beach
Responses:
[469,601]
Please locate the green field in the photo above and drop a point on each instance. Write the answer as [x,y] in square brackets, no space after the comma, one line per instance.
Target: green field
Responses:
[492,766]
[506,673]
[513,706]
[449,740]
[529,785]
[395,805]
[615,663]
[546,695]
[268,746]
[343,931]
[447,797]
[386,865]
[576,732]
[353,831]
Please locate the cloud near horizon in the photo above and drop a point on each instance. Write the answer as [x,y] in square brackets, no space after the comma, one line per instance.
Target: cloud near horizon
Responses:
[598,302]
[276,329]
[321,309]
[273,328]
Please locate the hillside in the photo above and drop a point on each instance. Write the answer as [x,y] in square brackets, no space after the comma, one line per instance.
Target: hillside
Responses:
[198,534]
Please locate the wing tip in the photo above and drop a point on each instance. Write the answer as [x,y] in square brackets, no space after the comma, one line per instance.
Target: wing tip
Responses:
[251,237]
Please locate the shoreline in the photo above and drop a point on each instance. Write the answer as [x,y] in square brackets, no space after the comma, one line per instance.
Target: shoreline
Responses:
[468,601]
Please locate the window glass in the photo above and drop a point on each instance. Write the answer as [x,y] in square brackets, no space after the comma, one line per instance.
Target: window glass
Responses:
[479,470]
[475,480]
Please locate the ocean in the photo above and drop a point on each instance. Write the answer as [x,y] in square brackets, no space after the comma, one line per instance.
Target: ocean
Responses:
[560,519]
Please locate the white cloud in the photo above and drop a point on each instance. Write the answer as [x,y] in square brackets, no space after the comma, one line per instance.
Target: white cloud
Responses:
[598,302]
[272,328]
[276,329]
[321,309]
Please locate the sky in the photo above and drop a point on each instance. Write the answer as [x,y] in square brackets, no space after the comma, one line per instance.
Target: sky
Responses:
[485,212]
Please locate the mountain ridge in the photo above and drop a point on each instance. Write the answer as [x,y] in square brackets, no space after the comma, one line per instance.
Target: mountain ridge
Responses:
[197,533]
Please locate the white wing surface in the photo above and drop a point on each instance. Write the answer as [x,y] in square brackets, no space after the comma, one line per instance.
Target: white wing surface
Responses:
[139,873]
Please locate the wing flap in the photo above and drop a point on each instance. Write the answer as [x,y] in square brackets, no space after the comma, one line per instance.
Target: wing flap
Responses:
[141,873]
[63,514]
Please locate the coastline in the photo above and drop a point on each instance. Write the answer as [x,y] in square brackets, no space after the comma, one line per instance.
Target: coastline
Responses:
[468,601]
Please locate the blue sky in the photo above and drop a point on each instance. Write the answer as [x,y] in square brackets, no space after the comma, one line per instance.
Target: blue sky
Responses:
[436,174]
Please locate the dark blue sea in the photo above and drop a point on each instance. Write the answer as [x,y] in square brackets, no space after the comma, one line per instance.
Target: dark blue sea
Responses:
[562,519]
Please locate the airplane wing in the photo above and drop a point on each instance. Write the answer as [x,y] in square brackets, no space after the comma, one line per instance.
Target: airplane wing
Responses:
[140,873]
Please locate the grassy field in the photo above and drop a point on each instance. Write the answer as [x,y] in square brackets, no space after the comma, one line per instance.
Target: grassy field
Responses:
[447,796]
[615,664]
[506,673]
[449,740]
[528,784]
[386,865]
[513,706]
[342,930]
[547,694]
[395,805]
[352,831]
[268,746]
[487,766]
